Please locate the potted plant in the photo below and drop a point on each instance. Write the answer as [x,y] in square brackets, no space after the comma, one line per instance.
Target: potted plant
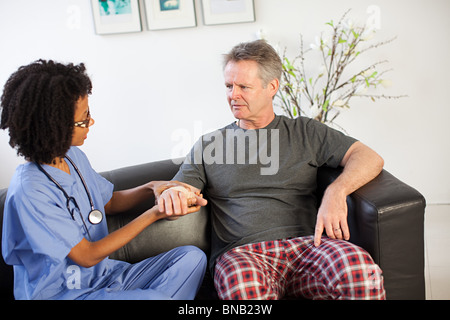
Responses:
[323,95]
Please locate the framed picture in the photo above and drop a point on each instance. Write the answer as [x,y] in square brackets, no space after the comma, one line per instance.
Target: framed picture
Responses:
[227,11]
[116,16]
[170,14]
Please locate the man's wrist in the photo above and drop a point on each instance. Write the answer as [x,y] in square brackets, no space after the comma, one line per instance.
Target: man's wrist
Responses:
[336,190]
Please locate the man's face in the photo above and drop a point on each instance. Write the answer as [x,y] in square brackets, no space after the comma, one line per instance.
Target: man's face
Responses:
[248,98]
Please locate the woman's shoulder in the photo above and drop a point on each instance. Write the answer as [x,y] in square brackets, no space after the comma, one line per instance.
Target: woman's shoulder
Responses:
[75,152]
[26,180]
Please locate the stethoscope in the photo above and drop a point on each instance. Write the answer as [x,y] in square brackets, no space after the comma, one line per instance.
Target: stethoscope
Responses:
[95,216]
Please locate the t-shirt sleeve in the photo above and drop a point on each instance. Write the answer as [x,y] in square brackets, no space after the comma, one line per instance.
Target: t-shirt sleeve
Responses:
[192,171]
[328,146]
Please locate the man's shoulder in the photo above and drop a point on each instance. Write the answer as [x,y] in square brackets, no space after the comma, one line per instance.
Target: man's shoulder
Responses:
[293,125]
[221,131]
[292,121]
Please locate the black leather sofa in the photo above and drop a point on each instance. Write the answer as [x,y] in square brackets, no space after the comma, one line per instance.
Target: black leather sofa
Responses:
[386,217]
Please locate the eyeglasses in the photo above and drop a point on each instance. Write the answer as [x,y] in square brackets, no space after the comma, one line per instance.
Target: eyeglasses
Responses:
[84,123]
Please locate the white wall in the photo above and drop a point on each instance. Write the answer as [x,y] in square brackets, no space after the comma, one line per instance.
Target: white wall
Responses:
[152,86]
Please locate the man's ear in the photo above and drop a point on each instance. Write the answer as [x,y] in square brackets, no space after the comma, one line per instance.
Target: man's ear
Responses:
[273,86]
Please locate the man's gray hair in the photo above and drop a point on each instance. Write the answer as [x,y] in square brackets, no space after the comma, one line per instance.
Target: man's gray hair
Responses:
[270,65]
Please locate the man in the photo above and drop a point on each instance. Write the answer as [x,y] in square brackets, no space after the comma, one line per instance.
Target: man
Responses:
[264,245]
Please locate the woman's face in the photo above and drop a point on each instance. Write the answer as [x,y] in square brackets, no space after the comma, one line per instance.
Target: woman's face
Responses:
[81,114]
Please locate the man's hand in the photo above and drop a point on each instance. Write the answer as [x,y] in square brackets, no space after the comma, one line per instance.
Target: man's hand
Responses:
[332,217]
[159,187]
[361,164]
[178,198]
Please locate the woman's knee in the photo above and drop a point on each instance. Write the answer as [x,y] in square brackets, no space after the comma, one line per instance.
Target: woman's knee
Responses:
[193,257]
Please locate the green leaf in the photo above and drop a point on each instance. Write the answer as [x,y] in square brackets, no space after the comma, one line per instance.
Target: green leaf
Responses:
[288,64]
[325,105]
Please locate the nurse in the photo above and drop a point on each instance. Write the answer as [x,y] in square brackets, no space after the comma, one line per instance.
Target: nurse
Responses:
[54,231]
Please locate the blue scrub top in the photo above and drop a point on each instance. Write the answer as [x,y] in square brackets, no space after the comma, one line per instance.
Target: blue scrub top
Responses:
[39,232]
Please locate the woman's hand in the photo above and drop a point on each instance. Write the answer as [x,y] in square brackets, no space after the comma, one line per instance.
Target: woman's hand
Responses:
[125,200]
[177,198]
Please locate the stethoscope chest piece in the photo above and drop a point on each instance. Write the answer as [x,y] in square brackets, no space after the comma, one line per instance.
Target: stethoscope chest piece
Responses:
[95,216]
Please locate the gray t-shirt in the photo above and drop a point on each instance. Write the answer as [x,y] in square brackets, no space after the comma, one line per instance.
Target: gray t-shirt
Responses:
[261,183]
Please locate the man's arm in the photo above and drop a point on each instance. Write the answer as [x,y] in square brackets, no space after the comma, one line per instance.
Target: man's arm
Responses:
[361,165]
[126,199]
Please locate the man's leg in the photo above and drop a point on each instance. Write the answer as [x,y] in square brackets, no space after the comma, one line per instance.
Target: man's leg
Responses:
[250,272]
[337,269]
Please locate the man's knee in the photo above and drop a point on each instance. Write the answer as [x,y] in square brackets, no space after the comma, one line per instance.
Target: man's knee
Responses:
[356,275]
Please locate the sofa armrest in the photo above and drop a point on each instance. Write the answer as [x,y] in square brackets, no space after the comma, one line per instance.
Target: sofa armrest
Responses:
[386,217]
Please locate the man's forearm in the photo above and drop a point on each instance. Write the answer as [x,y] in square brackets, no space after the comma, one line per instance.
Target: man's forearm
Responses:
[361,165]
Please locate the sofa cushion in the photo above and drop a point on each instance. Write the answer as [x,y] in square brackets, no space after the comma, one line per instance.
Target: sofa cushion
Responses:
[163,235]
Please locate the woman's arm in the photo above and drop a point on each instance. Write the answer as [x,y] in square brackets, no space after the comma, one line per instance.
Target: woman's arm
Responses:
[88,254]
[124,200]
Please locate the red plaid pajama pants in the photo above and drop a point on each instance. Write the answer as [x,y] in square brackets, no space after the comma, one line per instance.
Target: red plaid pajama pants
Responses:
[268,270]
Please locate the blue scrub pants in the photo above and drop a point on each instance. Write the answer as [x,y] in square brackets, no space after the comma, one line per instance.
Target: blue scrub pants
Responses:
[176,275]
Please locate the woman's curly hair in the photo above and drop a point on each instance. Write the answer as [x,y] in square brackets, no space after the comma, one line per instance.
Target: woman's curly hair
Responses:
[38,105]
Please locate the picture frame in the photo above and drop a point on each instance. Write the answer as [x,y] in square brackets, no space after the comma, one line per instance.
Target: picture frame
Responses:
[170,14]
[227,11]
[116,16]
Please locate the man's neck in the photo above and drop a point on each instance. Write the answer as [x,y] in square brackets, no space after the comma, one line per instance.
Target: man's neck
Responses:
[255,124]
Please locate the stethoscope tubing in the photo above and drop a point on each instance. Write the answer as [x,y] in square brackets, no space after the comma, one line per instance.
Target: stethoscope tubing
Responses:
[95,216]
